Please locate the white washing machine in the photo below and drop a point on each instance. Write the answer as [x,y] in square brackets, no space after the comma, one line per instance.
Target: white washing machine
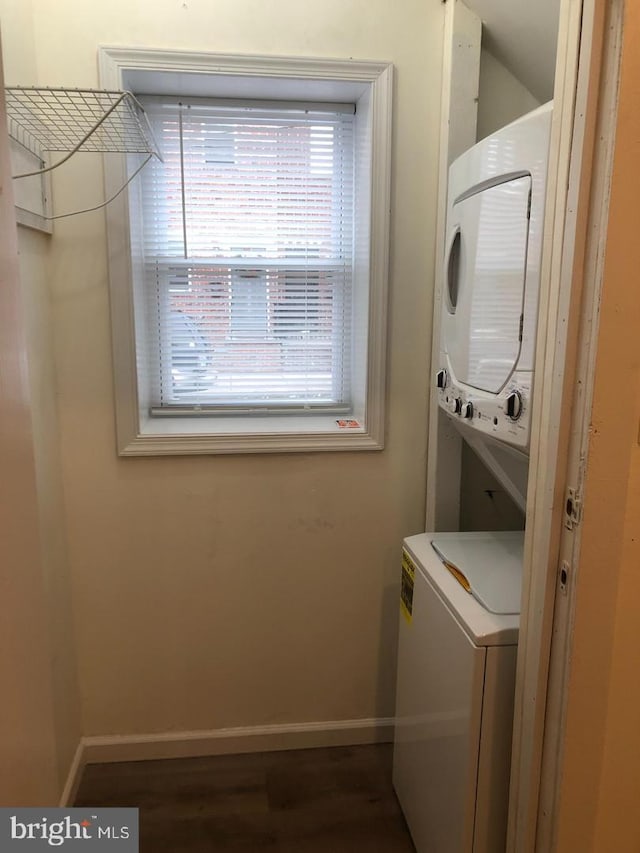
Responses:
[491,284]
[458,640]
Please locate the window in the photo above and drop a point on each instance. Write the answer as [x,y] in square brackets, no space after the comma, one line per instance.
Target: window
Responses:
[254,256]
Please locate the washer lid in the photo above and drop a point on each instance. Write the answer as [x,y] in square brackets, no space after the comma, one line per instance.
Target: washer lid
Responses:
[490,562]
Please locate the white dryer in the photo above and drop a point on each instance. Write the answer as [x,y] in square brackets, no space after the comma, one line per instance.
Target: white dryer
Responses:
[455,689]
[495,214]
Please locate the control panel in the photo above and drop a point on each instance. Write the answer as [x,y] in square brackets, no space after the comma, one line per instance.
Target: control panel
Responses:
[505,416]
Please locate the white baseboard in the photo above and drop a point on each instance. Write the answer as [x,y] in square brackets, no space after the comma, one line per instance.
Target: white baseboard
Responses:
[73,777]
[191,744]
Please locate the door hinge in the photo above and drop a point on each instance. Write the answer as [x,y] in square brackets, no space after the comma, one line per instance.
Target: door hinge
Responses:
[529,206]
[521,327]
[572,509]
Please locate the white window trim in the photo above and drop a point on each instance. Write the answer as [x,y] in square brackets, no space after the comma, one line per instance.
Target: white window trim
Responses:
[137,433]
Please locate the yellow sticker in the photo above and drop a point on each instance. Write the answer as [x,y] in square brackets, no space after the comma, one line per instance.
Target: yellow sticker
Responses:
[406,587]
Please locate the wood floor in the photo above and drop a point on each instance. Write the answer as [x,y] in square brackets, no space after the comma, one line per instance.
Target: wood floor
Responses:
[337,800]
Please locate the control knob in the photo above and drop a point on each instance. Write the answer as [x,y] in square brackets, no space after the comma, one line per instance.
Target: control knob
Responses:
[455,405]
[467,410]
[441,379]
[514,405]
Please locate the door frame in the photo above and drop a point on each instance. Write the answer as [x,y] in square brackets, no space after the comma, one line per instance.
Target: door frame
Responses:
[587,212]
[580,160]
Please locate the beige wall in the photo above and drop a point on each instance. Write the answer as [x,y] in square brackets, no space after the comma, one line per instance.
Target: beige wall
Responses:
[18,42]
[28,750]
[240,590]
[33,249]
[601,768]
[53,568]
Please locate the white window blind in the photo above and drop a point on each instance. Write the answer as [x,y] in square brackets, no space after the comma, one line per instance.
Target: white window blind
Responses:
[246,236]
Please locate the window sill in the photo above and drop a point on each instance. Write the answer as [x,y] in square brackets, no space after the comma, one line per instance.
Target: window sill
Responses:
[183,436]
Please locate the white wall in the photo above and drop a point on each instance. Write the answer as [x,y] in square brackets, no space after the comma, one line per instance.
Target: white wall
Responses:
[502,98]
[240,590]
[484,502]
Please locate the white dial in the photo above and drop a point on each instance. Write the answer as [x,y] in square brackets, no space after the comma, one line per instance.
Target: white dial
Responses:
[514,405]
[441,379]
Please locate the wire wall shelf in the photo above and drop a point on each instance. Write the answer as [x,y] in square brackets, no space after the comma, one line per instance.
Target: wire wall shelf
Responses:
[47,119]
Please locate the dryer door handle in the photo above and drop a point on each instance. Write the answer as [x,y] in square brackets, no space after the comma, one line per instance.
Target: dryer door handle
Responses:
[452,270]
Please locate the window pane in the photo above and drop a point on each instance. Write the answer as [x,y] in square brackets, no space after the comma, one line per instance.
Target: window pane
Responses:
[249,307]
[247,234]
[264,337]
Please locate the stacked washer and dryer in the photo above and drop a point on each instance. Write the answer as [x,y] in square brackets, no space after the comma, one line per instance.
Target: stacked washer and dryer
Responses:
[460,600]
